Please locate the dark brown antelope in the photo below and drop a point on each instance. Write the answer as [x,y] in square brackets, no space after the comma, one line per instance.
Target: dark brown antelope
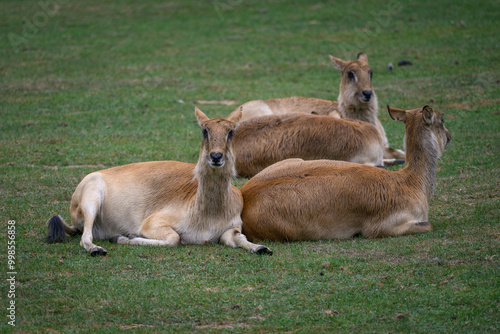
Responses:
[357,100]
[311,200]
[263,141]
[163,202]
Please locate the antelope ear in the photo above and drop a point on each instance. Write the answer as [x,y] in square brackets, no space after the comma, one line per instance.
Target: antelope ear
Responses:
[200,115]
[397,114]
[428,114]
[363,57]
[236,115]
[339,64]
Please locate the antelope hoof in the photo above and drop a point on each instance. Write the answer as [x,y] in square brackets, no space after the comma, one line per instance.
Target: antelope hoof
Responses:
[114,239]
[421,227]
[423,224]
[119,239]
[98,251]
[262,250]
[391,162]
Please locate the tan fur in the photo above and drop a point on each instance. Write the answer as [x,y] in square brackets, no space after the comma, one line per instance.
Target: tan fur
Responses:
[263,141]
[312,200]
[166,202]
[352,103]
[289,105]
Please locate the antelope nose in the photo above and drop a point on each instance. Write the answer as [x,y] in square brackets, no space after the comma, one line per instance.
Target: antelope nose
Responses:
[367,94]
[215,156]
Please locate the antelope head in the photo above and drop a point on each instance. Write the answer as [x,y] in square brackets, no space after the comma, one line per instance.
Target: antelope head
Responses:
[217,145]
[426,121]
[356,83]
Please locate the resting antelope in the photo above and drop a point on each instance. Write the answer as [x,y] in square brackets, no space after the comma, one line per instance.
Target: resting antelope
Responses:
[357,100]
[311,200]
[163,202]
[261,142]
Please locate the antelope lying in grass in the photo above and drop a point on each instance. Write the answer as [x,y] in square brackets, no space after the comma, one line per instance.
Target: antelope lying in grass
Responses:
[163,202]
[357,100]
[311,200]
[261,142]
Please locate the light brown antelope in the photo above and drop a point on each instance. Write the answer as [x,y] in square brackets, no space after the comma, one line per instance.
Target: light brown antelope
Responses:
[261,142]
[323,199]
[163,202]
[289,105]
[357,100]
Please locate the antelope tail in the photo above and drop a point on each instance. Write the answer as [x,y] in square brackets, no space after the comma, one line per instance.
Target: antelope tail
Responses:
[57,229]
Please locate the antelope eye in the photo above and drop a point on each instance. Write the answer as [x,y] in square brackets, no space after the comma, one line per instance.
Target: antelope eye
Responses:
[230,134]
[351,74]
[205,133]
[371,75]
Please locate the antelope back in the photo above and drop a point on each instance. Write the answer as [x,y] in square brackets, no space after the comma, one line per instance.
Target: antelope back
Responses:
[264,141]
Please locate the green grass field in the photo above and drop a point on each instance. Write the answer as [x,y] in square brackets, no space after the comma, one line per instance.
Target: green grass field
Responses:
[86,85]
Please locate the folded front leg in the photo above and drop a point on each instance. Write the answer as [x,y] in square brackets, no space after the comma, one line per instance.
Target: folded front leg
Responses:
[171,240]
[234,238]
[155,230]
